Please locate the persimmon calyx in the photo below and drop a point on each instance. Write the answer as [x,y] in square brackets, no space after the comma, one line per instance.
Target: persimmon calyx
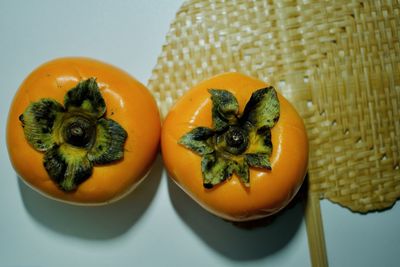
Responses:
[73,137]
[236,141]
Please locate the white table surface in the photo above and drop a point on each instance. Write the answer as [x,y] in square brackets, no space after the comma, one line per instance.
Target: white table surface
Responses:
[157,225]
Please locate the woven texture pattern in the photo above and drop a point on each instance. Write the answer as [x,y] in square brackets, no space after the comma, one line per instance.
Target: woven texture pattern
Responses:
[338,62]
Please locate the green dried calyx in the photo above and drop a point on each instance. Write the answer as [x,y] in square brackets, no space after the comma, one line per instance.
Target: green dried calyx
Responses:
[73,137]
[236,141]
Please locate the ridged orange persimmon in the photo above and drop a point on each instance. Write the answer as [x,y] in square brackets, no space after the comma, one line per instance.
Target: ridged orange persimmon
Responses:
[82,131]
[237,193]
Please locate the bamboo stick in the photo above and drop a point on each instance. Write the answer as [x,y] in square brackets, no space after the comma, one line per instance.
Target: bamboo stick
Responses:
[315,231]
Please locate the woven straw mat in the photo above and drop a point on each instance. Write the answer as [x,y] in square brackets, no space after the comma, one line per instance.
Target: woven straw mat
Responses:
[338,62]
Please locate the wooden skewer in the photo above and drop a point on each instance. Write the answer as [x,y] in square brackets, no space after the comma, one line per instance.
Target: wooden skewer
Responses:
[315,231]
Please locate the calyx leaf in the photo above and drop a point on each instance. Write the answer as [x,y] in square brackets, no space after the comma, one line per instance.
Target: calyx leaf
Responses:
[197,140]
[225,109]
[215,169]
[262,110]
[260,141]
[109,144]
[242,171]
[259,160]
[67,166]
[86,96]
[38,121]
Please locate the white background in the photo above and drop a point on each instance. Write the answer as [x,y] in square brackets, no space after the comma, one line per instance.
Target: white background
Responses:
[157,225]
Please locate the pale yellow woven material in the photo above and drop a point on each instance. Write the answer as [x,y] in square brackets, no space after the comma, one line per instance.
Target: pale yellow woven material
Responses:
[338,62]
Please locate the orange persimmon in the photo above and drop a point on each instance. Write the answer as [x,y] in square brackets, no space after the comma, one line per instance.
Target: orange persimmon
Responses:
[266,190]
[108,149]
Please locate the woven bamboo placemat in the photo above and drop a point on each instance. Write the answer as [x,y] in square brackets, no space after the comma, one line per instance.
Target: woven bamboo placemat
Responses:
[338,62]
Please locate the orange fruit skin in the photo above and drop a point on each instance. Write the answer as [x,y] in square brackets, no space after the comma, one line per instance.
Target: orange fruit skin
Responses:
[269,191]
[128,102]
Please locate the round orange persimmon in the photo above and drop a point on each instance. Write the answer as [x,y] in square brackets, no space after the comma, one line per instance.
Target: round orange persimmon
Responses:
[268,190]
[127,102]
